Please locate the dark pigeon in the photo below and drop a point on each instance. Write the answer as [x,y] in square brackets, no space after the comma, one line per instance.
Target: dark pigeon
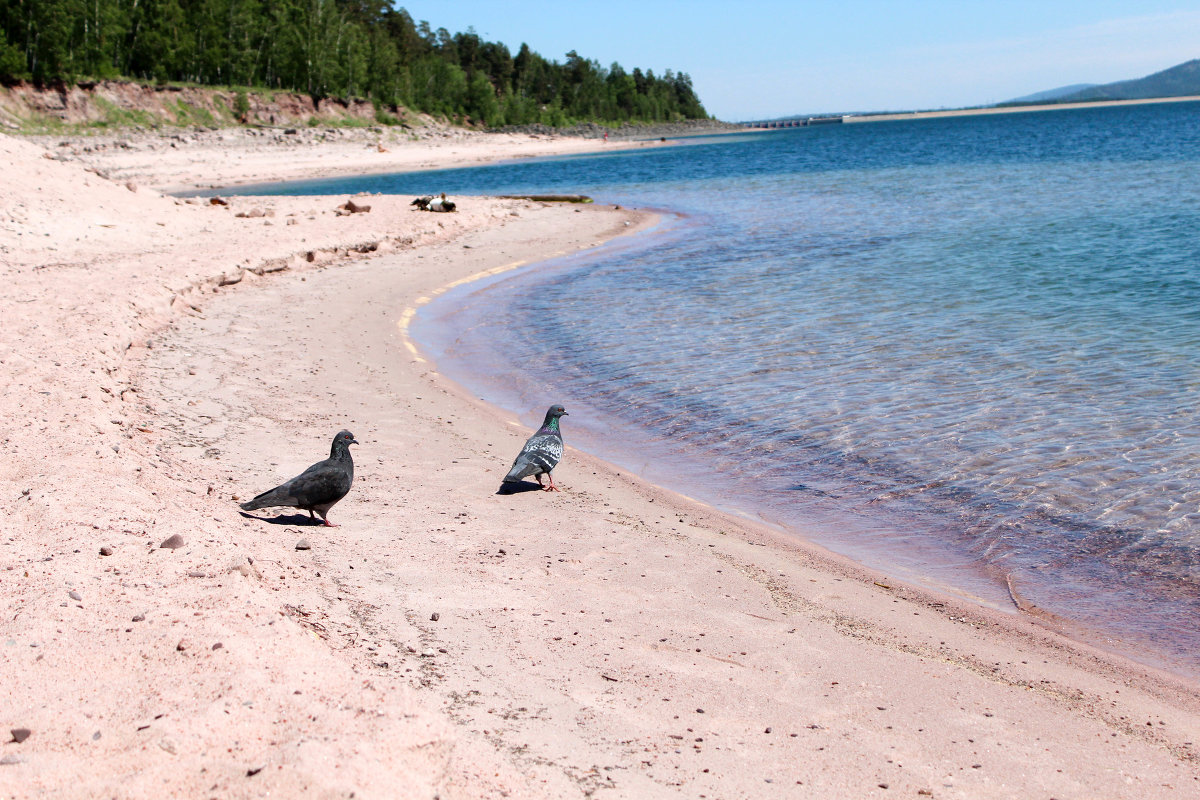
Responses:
[318,487]
[541,453]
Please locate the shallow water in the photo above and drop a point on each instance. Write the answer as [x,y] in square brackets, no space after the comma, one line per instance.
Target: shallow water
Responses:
[964,350]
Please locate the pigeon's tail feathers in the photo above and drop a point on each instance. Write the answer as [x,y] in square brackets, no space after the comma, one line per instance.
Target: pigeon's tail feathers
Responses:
[522,468]
[269,498]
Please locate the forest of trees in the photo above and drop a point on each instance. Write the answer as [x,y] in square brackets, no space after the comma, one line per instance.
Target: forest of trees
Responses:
[327,48]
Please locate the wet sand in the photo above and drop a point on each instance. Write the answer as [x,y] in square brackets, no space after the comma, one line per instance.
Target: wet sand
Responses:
[613,639]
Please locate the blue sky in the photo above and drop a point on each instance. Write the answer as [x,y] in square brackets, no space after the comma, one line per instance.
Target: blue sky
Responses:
[769,58]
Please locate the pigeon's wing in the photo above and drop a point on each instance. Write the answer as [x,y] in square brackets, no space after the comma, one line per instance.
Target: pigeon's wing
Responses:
[321,484]
[539,455]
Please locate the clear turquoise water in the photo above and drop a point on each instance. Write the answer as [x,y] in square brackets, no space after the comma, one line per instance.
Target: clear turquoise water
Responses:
[963,350]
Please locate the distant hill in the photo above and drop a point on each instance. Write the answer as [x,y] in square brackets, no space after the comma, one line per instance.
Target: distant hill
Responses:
[1178,81]
[1051,95]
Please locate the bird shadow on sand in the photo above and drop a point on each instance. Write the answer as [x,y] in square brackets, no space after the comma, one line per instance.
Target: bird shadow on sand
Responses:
[285,519]
[517,487]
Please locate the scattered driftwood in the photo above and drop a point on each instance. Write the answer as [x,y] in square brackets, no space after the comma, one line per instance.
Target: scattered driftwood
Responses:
[549,198]
[351,207]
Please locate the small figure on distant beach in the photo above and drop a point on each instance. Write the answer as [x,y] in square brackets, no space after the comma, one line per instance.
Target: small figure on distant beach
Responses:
[319,487]
[441,204]
[433,203]
[541,453]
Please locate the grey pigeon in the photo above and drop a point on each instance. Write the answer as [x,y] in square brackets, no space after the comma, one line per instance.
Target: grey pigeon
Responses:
[318,487]
[541,453]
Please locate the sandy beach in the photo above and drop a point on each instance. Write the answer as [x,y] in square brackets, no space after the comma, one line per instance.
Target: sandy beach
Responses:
[167,358]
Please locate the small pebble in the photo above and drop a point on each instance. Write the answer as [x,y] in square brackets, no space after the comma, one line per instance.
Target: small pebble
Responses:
[173,542]
[217,646]
[12,758]
[303,545]
[183,645]
[106,551]
[195,573]
[139,618]
[435,616]
[74,595]
[20,734]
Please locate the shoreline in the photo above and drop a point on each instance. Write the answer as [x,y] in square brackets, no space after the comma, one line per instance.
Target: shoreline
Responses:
[957,574]
[864,564]
[1072,631]
[615,636]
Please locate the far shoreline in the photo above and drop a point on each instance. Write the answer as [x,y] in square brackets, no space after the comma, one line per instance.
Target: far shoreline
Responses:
[991,110]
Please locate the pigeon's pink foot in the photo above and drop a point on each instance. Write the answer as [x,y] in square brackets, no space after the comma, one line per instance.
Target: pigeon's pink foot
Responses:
[551,487]
[329,524]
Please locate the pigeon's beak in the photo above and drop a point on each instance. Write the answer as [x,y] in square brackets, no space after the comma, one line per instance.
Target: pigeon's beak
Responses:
[352,441]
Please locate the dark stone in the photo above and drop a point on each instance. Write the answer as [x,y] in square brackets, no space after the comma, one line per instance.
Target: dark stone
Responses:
[173,542]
